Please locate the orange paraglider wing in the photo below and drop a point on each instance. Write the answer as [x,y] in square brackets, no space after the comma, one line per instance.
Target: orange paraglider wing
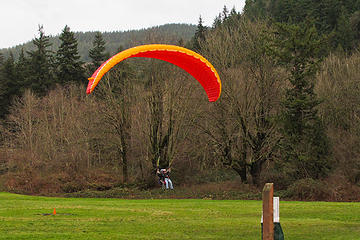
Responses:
[193,63]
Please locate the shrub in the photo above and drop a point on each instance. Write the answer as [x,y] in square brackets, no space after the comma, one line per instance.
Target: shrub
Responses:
[309,189]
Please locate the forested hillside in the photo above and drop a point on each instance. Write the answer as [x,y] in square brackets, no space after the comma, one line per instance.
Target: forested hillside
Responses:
[113,40]
[288,112]
[340,19]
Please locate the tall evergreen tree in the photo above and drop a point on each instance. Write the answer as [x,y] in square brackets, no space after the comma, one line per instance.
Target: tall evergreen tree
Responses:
[22,70]
[225,13]
[69,66]
[97,53]
[344,36]
[40,77]
[8,86]
[217,21]
[305,144]
[199,35]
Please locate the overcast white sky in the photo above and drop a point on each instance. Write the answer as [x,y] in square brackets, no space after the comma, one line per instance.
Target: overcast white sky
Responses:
[19,19]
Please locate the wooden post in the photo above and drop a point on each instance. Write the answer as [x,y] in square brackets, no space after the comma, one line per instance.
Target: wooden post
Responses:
[268,211]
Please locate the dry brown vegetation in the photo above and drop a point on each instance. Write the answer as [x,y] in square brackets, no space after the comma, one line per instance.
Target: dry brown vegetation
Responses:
[148,114]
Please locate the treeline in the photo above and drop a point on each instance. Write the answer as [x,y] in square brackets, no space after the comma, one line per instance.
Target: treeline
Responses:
[339,19]
[41,69]
[288,113]
[112,39]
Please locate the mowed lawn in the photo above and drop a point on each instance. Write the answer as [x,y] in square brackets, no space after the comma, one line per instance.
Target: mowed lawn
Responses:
[22,217]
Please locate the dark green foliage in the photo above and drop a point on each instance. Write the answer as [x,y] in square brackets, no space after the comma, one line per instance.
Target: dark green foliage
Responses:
[22,69]
[199,36]
[69,67]
[7,85]
[226,19]
[344,36]
[97,52]
[305,145]
[217,21]
[334,17]
[255,8]
[40,77]
[12,77]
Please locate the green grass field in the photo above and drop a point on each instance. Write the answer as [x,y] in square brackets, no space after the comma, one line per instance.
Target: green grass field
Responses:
[21,217]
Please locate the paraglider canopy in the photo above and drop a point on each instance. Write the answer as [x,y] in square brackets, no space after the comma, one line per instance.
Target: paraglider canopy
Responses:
[193,63]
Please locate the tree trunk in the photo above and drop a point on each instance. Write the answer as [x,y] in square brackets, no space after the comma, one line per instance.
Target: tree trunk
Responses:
[242,173]
[255,170]
[125,169]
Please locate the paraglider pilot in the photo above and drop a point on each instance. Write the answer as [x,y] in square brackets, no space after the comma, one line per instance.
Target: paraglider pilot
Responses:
[164,177]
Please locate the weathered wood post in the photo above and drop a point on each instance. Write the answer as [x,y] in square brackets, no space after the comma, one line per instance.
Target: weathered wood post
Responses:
[268,211]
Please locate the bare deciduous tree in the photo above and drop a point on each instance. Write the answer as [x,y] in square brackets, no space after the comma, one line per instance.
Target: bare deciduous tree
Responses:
[338,87]
[168,111]
[49,137]
[116,97]
[245,132]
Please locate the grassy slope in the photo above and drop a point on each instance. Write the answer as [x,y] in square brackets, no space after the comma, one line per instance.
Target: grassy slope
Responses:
[21,218]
